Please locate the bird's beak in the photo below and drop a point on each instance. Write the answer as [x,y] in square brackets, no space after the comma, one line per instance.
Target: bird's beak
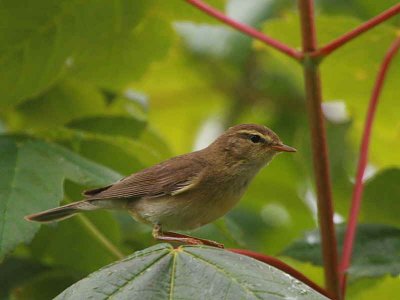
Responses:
[283,148]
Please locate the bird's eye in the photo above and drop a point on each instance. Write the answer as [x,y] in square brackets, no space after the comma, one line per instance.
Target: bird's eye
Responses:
[255,138]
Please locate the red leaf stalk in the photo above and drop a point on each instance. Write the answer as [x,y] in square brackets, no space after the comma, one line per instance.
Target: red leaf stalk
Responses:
[246,29]
[362,163]
[319,149]
[281,266]
[347,37]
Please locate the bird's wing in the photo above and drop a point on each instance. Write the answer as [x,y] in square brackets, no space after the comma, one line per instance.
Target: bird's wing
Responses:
[171,177]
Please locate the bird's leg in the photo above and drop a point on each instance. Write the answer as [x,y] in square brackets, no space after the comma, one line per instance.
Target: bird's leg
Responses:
[158,234]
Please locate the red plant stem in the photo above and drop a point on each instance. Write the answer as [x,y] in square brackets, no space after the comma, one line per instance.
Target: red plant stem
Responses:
[362,163]
[272,261]
[320,149]
[248,30]
[342,40]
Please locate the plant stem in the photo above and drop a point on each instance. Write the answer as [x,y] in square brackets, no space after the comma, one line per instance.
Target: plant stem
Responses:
[97,234]
[246,29]
[100,237]
[272,261]
[362,163]
[345,38]
[320,149]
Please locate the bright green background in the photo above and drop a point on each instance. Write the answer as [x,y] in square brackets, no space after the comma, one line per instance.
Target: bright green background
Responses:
[94,90]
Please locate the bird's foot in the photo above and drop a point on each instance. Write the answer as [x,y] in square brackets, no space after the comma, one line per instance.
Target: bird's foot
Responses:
[158,234]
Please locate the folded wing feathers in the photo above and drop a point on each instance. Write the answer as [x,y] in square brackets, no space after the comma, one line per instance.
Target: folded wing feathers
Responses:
[168,178]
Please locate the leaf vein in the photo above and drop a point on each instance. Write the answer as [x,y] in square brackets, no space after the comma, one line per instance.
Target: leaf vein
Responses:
[229,275]
[121,288]
[171,290]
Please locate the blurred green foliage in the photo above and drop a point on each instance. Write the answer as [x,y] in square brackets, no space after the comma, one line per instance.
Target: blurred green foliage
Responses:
[91,91]
[376,250]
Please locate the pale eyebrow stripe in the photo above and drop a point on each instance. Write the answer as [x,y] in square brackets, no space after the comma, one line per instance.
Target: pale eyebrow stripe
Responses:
[255,133]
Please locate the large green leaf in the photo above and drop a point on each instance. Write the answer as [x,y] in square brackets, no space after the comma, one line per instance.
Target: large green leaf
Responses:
[118,152]
[115,147]
[110,125]
[31,179]
[42,41]
[161,272]
[36,40]
[381,198]
[376,250]
[127,53]
[68,100]
[115,134]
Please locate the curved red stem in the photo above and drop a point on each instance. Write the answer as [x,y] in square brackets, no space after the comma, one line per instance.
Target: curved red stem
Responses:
[246,29]
[281,266]
[342,40]
[362,163]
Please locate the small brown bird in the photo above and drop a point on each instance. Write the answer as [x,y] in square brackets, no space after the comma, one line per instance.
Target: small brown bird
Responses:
[187,191]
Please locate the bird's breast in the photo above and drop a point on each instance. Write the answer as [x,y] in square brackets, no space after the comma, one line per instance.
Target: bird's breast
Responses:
[193,208]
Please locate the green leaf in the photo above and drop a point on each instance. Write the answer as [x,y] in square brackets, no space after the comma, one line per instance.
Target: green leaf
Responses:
[381,198]
[43,41]
[66,101]
[161,272]
[123,154]
[125,51]
[375,254]
[110,125]
[36,39]
[313,272]
[31,180]
[118,152]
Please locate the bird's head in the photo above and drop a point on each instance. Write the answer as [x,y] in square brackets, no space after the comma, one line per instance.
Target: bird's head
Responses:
[251,144]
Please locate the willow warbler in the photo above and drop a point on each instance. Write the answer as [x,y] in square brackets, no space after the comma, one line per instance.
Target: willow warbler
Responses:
[186,191]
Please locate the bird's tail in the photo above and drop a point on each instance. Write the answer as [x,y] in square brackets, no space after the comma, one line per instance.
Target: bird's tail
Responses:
[62,212]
